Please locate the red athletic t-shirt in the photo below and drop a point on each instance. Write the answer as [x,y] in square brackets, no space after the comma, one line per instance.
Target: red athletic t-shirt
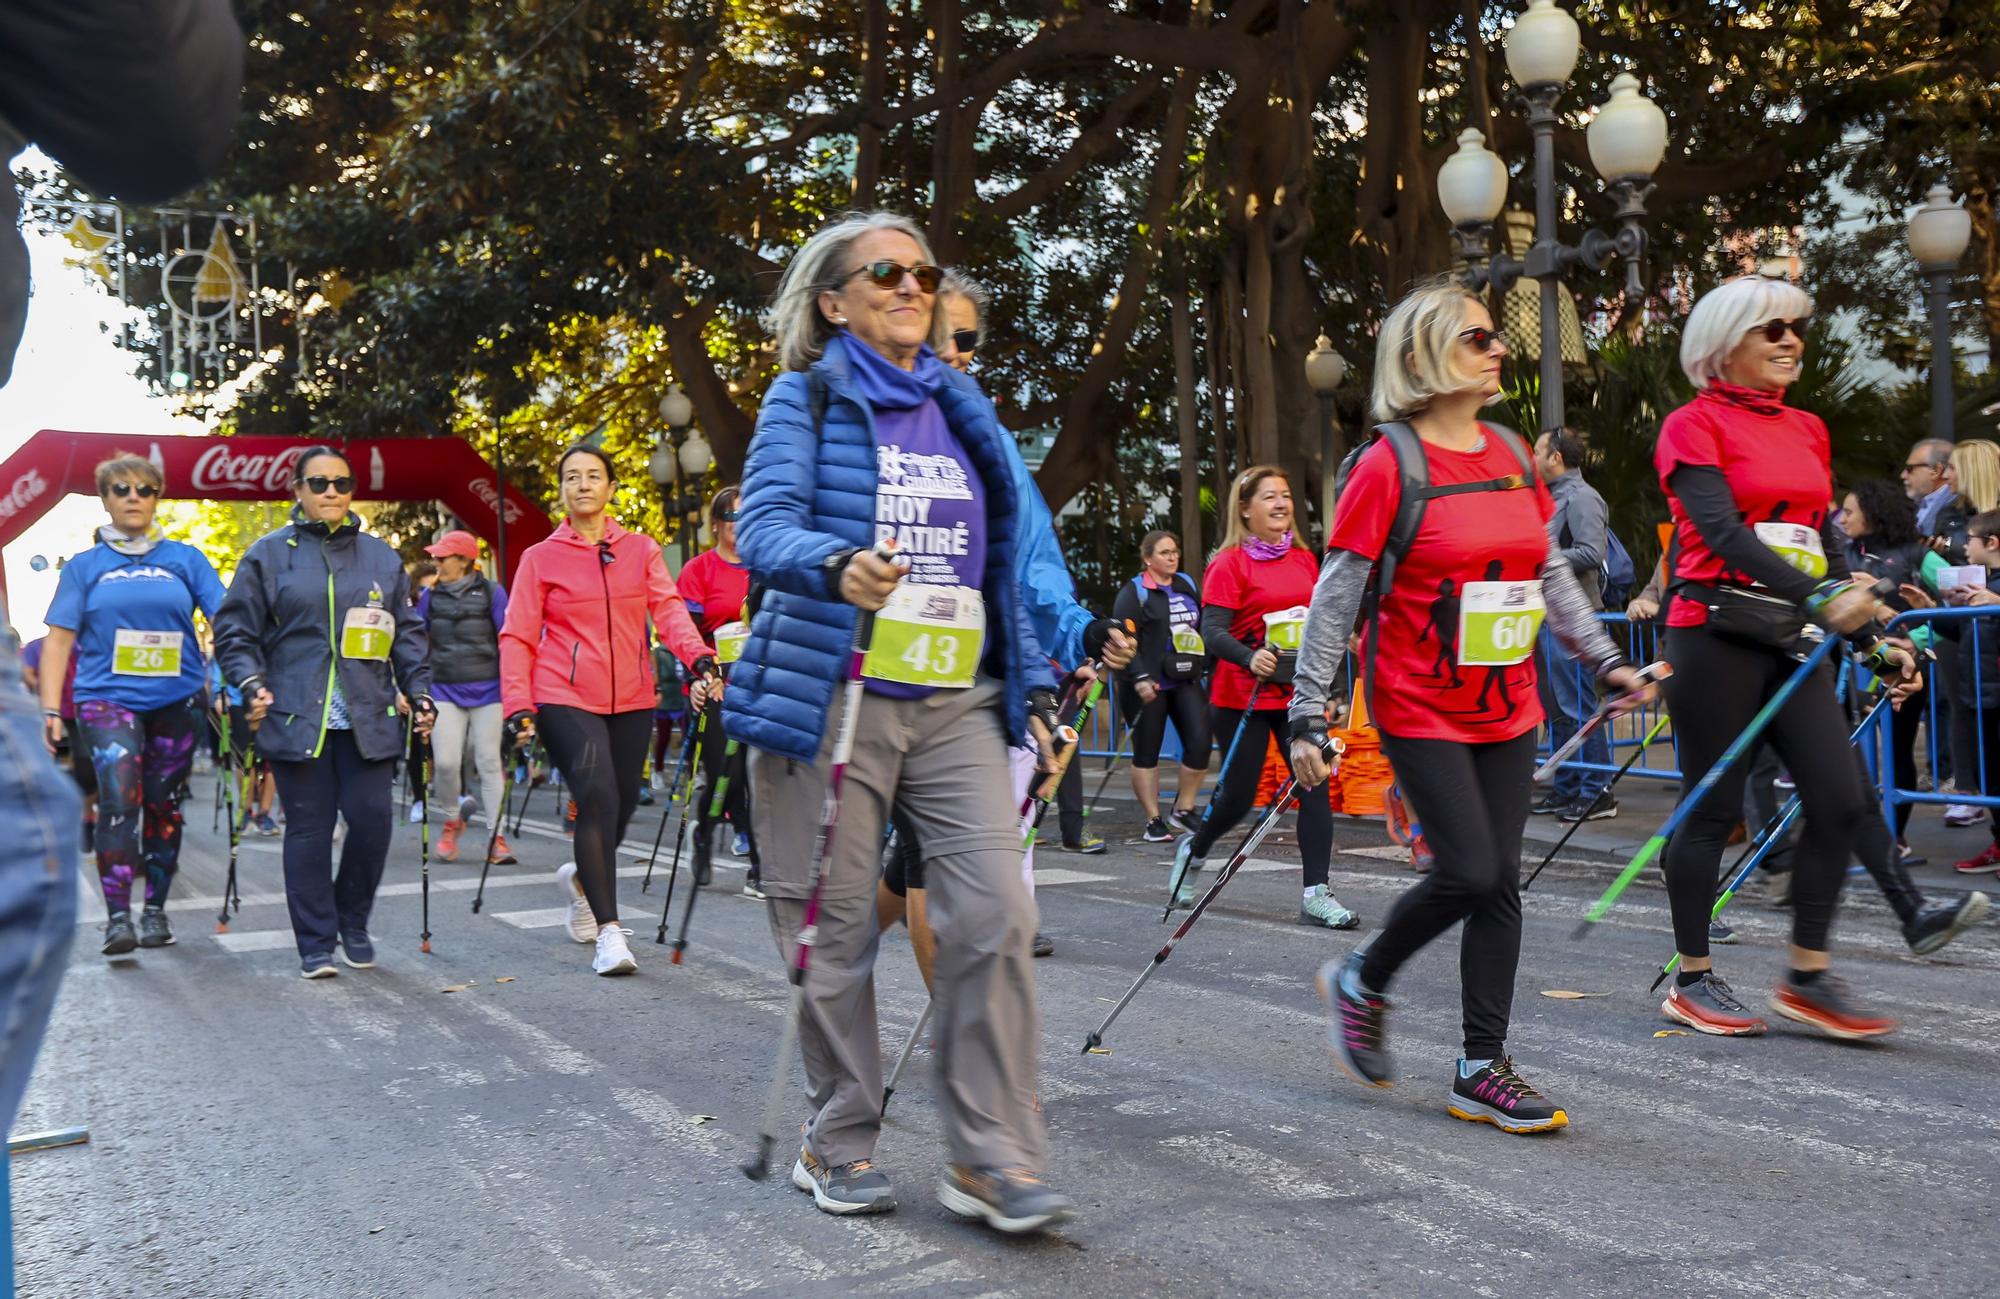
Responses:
[1254,587]
[1420,691]
[1779,466]
[717,588]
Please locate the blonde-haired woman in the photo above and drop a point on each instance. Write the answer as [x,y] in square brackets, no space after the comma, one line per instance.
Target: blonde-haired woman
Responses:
[1757,557]
[1972,475]
[1457,615]
[1254,596]
[126,607]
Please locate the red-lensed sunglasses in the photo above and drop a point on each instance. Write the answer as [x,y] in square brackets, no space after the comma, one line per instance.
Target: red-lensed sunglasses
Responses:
[1774,331]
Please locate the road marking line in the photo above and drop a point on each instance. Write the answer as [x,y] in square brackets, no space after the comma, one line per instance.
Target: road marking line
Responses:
[546,918]
[1056,875]
[552,1051]
[256,940]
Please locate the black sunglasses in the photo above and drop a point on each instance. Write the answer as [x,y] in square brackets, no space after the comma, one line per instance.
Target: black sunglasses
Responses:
[885,274]
[1774,331]
[318,483]
[144,490]
[965,340]
[1483,340]
[729,516]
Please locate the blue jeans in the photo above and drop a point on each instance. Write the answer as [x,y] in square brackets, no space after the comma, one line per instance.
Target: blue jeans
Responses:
[1568,697]
[338,783]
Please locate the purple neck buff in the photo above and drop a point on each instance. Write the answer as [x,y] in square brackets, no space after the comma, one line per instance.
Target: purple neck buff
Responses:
[1265,551]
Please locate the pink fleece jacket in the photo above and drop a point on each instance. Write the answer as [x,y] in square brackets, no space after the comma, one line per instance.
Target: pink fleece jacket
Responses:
[576,623]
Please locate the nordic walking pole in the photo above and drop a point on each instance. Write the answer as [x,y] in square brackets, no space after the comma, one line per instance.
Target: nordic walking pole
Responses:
[1228,756]
[715,802]
[1117,754]
[1332,747]
[675,794]
[424,775]
[1068,735]
[909,1048]
[1760,850]
[680,833]
[758,1166]
[1652,672]
[229,788]
[1730,756]
[528,756]
[1653,733]
[497,815]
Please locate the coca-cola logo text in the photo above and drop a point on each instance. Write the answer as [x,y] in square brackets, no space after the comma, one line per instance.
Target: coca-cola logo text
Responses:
[218,470]
[484,491]
[27,489]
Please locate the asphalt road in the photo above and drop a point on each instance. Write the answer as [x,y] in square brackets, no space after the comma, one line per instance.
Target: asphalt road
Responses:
[492,1119]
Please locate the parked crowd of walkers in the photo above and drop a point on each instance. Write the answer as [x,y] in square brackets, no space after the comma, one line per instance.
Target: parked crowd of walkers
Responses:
[883,652]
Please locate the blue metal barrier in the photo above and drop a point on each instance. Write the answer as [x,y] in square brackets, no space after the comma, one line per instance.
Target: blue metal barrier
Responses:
[1641,641]
[1952,630]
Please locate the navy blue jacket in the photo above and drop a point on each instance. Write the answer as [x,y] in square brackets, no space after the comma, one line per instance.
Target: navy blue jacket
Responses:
[807,497]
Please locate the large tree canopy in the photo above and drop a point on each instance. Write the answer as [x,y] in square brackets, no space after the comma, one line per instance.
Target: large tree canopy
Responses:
[515,221]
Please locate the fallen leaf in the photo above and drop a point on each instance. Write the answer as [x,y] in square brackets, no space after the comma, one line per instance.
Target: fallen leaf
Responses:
[1671,1032]
[1098,1050]
[460,987]
[373,1230]
[701,1118]
[505,978]
[1779,1171]
[1564,994]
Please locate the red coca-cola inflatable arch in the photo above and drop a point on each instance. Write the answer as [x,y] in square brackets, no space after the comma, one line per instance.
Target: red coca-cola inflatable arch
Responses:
[54,463]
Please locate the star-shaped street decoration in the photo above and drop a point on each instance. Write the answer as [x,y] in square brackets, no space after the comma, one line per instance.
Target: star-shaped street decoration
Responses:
[90,242]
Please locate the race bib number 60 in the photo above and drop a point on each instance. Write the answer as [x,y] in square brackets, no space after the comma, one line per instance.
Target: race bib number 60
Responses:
[928,636]
[367,634]
[1497,623]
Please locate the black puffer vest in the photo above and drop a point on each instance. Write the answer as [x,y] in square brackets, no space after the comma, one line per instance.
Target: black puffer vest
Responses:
[465,646]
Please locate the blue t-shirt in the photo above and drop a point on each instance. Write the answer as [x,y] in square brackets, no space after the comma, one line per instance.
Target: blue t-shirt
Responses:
[102,591]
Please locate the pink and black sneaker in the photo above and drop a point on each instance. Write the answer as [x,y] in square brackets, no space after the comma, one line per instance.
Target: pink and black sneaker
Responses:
[1357,1026]
[1494,1093]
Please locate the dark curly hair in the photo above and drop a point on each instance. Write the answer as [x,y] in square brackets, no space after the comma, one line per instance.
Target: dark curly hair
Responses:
[1891,515]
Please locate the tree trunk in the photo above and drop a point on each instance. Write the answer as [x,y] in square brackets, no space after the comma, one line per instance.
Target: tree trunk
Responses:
[874,82]
[1182,328]
[1217,351]
[1979,201]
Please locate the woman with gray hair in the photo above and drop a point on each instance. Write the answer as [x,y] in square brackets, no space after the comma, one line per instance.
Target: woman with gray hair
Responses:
[1459,597]
[1749,481]
[868,438]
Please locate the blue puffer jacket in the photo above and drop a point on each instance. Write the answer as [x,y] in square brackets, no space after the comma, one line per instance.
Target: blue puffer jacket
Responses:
[806,498]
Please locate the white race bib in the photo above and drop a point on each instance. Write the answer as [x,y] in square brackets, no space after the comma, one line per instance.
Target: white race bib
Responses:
[1497,623]
[1188,641]
[1796,544]
[928,635]
[367,634]
[146,653]
[1284,630]
[729,642]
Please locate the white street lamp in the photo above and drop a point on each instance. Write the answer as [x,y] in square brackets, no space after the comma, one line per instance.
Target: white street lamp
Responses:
[664,467]
[1472,184]
[1325,368]
[675,408]
[1542,47]
[695,455]
[1939,232]
[1628,137]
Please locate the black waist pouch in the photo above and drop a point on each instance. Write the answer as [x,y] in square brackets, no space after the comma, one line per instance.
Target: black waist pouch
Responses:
[1751,618]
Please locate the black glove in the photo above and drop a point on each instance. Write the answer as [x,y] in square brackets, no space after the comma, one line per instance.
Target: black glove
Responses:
[1042,707]
[1097,635]
[424,706]
[514,727]
[1311,726]
[704,666]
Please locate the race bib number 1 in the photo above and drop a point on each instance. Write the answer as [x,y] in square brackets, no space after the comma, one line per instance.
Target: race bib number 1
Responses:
[1796,544]
[367,634]
[928,636]
[1284,630]
[1497,623]
[146,653]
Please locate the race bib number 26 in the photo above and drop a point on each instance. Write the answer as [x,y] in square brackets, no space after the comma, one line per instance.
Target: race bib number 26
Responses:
[146,653]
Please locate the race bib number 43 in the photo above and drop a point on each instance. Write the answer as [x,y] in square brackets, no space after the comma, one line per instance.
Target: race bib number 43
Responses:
[146,653]
[928,636]
[1497,623]
[367,634]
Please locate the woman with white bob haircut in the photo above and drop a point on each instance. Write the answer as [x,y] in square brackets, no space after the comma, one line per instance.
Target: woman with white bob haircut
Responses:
[865,438]
[1449,651]
[1749,480]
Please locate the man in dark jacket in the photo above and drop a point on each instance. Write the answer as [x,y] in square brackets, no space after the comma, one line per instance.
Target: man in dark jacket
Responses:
[1581,526]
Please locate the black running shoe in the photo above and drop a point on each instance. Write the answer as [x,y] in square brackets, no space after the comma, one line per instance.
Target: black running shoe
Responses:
[1495,1094]
[1188,819]
[1357,1029]
[1012,1200]
[1938,925]
[153,928]
[704,857]
[1044,945]
[119,936]
[1550,804]
[1157,832]
[1602,808]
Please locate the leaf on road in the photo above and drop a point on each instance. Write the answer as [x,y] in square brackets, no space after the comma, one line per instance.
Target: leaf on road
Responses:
[373,1230]
[1564,994]
[1671,1032]
[1098,1050]
[505,978]
[698,1119]
[461,987]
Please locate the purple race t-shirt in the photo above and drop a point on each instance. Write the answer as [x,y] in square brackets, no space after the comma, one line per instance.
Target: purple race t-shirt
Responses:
[928,497]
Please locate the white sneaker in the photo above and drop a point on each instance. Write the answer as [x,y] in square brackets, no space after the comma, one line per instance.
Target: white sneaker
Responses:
[614,954]
[1963,814]
[582,924]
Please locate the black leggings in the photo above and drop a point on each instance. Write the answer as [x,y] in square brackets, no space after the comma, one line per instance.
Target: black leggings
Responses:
[1903,725]
[603,761]
[1236,791]
[1473,802]
[716,760]
[1189,713]
[1717,687]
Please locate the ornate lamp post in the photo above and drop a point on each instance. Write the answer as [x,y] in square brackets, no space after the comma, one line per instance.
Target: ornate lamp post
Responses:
[1627,140]
[1939,232]
[1325,368]
[678,454]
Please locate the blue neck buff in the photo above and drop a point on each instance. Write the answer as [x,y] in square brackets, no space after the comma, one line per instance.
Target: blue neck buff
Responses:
[888,386]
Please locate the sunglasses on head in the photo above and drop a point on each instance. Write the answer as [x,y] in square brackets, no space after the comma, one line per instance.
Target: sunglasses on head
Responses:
[318,483]
[1483,340]
[965,340]
[144,490]
[885,274]
[1774,331]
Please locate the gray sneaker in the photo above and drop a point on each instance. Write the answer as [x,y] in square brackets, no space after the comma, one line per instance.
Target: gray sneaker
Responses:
[154,931]
[1012,1200]
[843,1188]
